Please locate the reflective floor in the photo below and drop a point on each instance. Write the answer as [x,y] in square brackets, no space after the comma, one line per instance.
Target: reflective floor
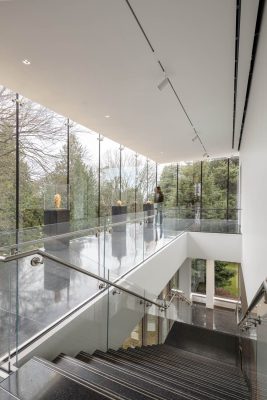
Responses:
[219,319]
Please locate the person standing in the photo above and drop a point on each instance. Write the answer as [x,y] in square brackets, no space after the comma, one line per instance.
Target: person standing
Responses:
[159,200]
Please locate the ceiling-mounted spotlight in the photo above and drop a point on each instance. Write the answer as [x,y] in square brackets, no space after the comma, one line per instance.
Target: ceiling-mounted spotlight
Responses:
[205,155]
[195,138]
[163,83]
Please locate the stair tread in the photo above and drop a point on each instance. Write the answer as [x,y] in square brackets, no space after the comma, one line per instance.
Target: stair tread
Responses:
[187,364]
[161,379]
[125,377]
[200,357]
[172,369]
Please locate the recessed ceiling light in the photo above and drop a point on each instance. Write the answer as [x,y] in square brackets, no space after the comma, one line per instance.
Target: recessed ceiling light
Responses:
[26,62]
[107,116]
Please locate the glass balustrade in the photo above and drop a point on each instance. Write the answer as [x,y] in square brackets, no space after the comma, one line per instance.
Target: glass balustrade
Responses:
[40,296]
[38,291]
[253,345]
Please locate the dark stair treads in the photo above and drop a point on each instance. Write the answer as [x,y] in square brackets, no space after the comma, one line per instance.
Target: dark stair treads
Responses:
[210,343]
[204,368]
[125,378]
[176,382]
[171,370]
[188,356]
[38,380]
[91,376]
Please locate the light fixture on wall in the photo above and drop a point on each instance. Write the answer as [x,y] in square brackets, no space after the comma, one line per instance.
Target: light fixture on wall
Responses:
[26,62]
[163,83]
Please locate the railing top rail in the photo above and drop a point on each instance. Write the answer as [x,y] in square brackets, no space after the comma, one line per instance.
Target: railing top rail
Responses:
[258,296]
[78,269]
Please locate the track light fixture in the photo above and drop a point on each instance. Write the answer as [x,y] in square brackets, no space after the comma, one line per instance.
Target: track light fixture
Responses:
[163,83]
[195,138]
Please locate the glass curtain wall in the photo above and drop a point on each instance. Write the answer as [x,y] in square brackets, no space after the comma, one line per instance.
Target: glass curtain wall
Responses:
[189,189]
[206,189]
[53,153]
[128,179]
[110,179]
[151,179]
[7,161]
[42,161]
[167,178]
[141,181]
[233,182]
[83,173]
[214,189]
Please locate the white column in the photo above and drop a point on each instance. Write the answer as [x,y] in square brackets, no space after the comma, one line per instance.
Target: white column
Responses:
[185,278]
[210,283]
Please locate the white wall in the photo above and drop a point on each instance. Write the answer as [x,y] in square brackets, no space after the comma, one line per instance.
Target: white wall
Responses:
[253,157]
[155,273]
[214,246]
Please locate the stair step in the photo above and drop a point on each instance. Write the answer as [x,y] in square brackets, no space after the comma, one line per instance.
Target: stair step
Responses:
[176,382]
[201,359]
[135,381]
[184,364]
[173,370]
[38,379]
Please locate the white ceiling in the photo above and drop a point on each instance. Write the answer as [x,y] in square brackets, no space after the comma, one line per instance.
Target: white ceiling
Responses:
[89,58]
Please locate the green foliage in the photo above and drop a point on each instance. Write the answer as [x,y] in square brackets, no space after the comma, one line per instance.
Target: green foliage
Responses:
[214,188]
[223,274]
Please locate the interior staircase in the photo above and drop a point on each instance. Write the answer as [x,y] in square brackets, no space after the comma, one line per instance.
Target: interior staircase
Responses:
[167,371]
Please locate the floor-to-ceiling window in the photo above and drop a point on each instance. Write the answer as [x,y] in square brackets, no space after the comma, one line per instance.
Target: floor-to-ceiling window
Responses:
[128,178]
[83,172]
[7,160]
[110,181]
[92,173]
[42,161]
[214,189]
[167,179]
[141,181]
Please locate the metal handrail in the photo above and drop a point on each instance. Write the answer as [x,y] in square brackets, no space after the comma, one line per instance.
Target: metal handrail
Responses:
[262,291]
[178,294]
[75,268]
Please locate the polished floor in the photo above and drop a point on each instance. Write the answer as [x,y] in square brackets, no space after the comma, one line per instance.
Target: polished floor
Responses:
[219,319]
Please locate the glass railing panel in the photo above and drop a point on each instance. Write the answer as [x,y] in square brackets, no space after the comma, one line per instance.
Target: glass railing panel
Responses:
[262,349]
[125,313]
[151,325]
[8,320]
[44,293]
[135,339]
[123,247]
